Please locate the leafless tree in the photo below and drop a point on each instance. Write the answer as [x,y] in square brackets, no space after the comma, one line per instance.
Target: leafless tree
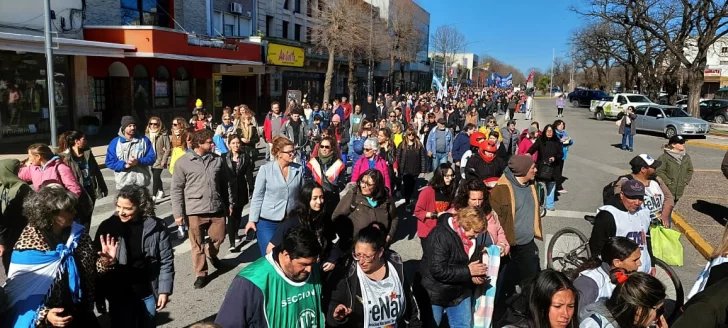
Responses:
[446,42]
[686,28]
[338,25]
[403,38]
[503,69]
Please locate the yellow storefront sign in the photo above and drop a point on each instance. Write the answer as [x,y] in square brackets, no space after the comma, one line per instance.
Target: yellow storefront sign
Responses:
[281,55]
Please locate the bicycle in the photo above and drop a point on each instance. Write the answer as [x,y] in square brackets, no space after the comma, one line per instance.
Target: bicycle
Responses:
[570,258]
[541,193]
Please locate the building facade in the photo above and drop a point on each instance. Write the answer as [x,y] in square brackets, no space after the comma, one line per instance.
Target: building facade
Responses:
[716,71]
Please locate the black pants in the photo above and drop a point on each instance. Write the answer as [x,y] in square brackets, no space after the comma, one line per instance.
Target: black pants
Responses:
[409,182]
[233,223]
[560,110]
[521,266]
[156,181]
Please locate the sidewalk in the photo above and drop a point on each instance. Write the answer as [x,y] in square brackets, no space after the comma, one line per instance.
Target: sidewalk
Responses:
[98,151]
[711,141]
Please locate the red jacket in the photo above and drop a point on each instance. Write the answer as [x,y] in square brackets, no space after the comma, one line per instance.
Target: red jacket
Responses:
[426,203]
[347,110]
[267,127]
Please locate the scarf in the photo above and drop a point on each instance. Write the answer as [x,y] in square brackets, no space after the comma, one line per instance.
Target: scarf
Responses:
[467,242]
[153,139]
[485,301]
[247,131]
[677,155]
[296,125]
[31,277]
[325,160]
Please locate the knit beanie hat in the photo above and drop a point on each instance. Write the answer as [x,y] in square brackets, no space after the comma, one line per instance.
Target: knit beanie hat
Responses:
[336,118]
[125,121]
[520,164]
[198,103]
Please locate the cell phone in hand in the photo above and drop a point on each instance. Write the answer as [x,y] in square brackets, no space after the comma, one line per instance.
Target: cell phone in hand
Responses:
[251,235]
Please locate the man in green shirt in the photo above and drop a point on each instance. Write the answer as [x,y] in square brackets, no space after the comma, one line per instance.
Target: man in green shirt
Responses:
[282,289]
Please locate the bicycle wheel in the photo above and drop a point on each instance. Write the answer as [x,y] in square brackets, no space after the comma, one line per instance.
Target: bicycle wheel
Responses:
[567,250]
[673,288]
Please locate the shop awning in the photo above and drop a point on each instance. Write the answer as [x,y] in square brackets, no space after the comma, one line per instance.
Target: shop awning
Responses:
[62,46]
[192,58]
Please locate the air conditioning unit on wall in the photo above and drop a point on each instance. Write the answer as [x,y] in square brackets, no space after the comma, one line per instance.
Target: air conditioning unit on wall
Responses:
[236,8]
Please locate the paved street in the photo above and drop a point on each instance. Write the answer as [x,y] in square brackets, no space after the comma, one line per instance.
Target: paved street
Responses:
[593,162]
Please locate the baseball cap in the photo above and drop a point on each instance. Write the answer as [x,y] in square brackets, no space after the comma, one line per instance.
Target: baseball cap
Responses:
[633,189]
[644,160]
[676,140]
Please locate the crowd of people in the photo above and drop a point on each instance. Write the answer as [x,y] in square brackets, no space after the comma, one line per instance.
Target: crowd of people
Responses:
[323,210]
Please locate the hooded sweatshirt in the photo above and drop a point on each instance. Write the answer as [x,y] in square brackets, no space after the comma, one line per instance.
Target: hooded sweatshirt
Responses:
[525,207]
[12,193]
[596,315]
[121,150]
[54,169]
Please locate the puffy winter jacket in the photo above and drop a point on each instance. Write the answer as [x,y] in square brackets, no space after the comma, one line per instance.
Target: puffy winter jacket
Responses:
[120,150]
[54,169]
[460,146]
[362,165]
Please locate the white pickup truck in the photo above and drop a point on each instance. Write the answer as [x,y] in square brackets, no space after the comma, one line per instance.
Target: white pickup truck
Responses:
[613,105]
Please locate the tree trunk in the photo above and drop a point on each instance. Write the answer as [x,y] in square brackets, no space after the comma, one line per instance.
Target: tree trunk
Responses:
[352,85]
[390,73]
[329,75]
[695,84]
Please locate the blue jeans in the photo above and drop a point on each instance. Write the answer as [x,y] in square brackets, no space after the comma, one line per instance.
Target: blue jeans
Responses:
[437,159]
[265,232]
[459,316]
[140,313]
[627,135]
[550,194]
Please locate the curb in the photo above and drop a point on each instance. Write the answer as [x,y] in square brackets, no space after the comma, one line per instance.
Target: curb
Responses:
[693,236]
[707,144]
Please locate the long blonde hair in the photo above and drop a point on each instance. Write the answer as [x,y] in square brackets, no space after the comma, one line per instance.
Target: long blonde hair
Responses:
[722,248]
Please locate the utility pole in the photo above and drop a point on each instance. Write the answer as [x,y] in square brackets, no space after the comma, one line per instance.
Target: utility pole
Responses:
[551,84]
[370,73]
[49,71]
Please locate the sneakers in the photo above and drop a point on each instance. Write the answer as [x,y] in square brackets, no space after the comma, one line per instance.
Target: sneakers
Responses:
[160,194]
[233,247]
[563,191]
[200,282]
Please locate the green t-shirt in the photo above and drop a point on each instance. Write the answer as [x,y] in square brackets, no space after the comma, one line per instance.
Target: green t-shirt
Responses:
[287,303]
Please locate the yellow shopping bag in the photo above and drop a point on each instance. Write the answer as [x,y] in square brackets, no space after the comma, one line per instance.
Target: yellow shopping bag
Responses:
[666,245]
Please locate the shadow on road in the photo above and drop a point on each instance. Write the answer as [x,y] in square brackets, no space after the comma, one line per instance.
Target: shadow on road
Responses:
[715,211]
[209,319]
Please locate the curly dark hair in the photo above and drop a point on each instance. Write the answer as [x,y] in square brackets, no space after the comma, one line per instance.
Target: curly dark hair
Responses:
[199,137]
[463,194]
[140,197]
[43,206]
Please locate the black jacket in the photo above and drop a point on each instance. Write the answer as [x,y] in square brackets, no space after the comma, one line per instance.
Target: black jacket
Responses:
[402,165]
[546,149]
[483,169]
[708,308]
[347,291]
[454,121]
[430,126]
[444,266]
[242,177]
[369,111]
[605,228]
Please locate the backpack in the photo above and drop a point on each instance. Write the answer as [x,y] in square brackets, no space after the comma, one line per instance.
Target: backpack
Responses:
[608,194]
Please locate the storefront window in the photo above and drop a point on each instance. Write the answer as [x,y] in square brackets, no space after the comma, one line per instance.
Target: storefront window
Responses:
[181,87]
[141,91]
[161,88]
[99,95]
[24,93]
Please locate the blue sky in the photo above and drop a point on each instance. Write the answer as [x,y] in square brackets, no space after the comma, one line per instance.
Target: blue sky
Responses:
[518,32]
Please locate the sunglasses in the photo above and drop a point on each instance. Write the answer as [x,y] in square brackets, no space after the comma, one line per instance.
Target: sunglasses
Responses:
[153,124]
[491,121]
[659,311]
[368,149]
[325,146]
[290,152]
[174,124]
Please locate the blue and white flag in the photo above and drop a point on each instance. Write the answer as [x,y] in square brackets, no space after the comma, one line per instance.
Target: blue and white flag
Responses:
[504,81]
[31,277]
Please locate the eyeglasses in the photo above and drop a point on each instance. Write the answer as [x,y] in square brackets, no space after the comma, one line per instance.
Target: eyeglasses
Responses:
[290,152]
[325,146]
[366,184]
[154,124]
[365,258]
[368,149]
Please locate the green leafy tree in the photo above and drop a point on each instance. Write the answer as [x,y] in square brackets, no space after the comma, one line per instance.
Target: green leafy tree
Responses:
[543,83]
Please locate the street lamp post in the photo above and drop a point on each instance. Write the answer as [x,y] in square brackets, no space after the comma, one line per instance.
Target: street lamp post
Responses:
[49,71]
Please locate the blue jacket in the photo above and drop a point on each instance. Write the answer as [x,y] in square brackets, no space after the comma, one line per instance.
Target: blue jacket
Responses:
[565,147]
[120,150]
[460,146]
[274,197]
[432,145]
[357,148]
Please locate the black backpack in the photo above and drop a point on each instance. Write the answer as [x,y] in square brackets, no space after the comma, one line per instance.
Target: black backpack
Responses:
[608,194]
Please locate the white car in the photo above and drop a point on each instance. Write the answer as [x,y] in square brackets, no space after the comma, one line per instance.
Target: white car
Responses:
[613,105]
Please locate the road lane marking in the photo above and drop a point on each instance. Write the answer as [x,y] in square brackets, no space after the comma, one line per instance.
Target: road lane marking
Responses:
[568,214]
[601,166]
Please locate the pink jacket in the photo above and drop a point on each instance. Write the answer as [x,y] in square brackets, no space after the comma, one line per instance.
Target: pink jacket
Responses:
[362,165]
[54,169]
[524,146]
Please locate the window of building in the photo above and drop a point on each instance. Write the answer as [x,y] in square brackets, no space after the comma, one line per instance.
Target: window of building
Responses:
[244,27]
[724,50]
[285,5]
[181,87]
[99,95]
[141,89]
[309,32]
[268,25]
[724,62]
[297,6]
[297,32]
[145,12]
[161,88]
[285,30]
[229,25]
[217,23]
[276,84]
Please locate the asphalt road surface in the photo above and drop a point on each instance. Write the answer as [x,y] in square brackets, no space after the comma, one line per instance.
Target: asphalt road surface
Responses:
[593,161]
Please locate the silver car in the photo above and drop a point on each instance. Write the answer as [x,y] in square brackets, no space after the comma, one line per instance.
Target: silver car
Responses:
[670,120]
